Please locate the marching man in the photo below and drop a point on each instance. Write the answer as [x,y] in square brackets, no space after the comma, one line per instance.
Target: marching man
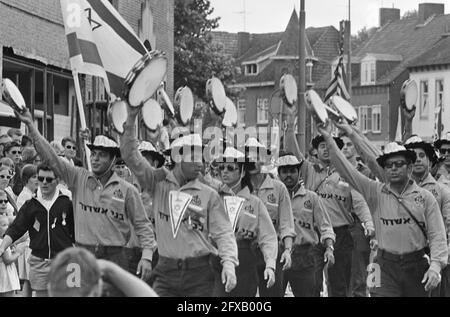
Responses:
[407,221]
[188,215]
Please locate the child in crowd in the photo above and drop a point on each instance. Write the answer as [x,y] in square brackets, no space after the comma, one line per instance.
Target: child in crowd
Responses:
[9,279]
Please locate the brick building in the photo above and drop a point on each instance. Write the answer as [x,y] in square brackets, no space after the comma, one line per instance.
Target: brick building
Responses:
[384,62]
[264,58]
[34,54]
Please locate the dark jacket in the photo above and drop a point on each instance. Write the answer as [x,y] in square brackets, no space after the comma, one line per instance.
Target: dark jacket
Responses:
[50,232]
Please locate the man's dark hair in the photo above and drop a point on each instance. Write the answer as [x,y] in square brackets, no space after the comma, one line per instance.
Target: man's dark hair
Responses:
[9,146]
[67,139]
[45,167]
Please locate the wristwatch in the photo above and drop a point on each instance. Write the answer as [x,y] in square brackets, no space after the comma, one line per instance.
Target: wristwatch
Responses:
[288,249]
[330,247]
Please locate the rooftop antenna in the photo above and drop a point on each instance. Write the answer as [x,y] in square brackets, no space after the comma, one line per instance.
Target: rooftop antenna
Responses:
[244,14]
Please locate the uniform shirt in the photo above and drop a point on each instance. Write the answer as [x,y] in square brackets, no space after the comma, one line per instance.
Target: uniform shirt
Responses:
[254,224]
[197,227]
[275,196]
[396,231]
[339,199]
[309,213]
[442,195]
[102,213]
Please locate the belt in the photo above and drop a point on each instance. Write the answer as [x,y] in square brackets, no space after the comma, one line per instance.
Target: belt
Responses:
[183,264]
[413,256]
[41,258]
[101,248]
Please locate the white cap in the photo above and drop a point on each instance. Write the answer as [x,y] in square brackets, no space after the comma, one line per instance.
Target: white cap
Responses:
[414,139]
[393,147]
[253,142]
[188,140]
[146,147]
[288,160]
[103,141]
[233,153]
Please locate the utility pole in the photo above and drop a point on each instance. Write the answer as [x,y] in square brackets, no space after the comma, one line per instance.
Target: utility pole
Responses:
[349,65]
[301,121]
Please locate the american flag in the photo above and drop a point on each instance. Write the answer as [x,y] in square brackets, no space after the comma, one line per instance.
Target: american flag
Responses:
[337,84]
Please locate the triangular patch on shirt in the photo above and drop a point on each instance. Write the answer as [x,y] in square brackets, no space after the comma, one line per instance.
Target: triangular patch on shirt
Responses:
[233,205]
[178,203]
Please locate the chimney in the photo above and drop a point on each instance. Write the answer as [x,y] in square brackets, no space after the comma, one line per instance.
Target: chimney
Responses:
[389,15]
[428,9]
[243,42]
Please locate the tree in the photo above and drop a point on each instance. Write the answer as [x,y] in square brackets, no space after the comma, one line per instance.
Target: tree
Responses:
[197,58]
[363,35]
[410,14]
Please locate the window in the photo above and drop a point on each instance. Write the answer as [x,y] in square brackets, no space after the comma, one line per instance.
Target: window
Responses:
[364,118]
[368,73]
[251,69]
[439,93]
[376,119]
[424,109]
[262,108]
[241,112]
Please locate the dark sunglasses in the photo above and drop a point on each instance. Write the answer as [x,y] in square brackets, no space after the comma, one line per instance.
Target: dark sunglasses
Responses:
[16,152]
[70,147]
[4,201]
[444,151]
[47,179]
[8,177]
[229,168]
[397,164]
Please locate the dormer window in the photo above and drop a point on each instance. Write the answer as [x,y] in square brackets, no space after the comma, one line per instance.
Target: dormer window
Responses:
[251,69]
[368,73]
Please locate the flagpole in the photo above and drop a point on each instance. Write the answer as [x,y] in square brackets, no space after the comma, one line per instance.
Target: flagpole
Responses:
[82,117]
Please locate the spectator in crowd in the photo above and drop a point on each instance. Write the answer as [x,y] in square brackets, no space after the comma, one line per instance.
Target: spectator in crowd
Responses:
[9,280]
[13,151]
[70,151]
[16,135]
[29,155]
[4,139]
[49,220]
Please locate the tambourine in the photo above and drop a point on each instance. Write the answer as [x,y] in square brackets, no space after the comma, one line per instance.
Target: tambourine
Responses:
[288,90]
[215,92]
[409,94]
[184,105]
[152,115]
[230,117]
[344,108]
[117,115]
[145,78]
[316,105]
[12,95]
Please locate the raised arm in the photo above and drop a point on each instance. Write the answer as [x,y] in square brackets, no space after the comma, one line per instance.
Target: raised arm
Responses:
[62,168]
[291,139]
[367,187]
[144,172]
[364,147]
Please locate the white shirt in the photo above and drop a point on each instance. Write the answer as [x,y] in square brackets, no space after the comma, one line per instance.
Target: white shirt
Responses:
[47,203]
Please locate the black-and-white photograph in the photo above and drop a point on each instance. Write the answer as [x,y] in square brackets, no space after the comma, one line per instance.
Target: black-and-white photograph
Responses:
[252,149]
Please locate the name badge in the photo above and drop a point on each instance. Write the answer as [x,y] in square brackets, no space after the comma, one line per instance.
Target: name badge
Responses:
[233,206]
[178,203]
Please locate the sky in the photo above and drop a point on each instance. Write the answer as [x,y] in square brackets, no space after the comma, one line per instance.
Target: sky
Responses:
[265,16]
